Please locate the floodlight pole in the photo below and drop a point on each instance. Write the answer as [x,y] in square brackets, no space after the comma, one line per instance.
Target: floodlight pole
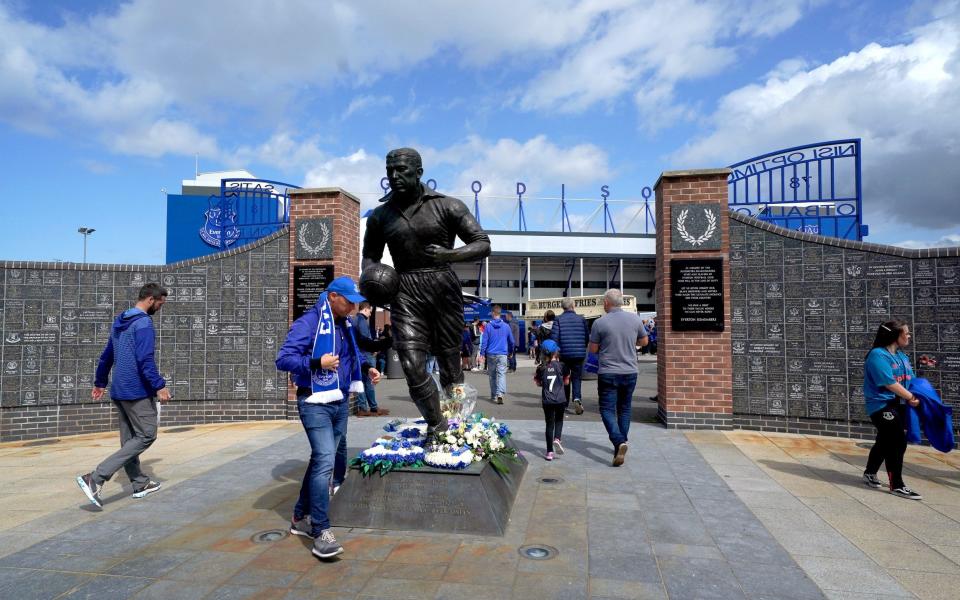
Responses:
[85,231]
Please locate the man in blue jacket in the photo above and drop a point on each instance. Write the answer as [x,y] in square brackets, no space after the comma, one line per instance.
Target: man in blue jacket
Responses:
[136,387]
[326,363]
[496,344]
[570,333]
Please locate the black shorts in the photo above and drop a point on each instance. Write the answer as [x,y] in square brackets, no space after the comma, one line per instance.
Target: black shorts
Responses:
[427,313]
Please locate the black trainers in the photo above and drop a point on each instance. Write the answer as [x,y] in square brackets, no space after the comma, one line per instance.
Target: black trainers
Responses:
[905,492]
[91,488]
[578,407]
[870,479]
[303,527]
[326,546]
[146,490]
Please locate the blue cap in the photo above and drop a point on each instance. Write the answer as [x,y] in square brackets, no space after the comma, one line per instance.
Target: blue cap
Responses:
[550,346]
[347,288]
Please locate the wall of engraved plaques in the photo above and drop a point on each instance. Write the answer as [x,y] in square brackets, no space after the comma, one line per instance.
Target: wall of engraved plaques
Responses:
[804,315]
[217,335]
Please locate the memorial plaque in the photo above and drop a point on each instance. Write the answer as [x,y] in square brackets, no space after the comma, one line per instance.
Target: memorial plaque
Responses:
[697,294]
[308,284]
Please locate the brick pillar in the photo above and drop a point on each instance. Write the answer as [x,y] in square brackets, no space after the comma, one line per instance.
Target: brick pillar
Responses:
[340,211]
[694,368]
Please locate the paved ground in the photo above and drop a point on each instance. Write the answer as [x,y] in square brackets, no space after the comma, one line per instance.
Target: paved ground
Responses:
[697,515]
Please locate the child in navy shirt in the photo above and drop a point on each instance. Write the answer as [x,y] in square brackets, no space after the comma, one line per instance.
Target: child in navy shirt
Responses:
[551,379]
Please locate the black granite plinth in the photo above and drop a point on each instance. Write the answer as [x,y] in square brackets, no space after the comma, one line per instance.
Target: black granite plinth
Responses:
[476,500]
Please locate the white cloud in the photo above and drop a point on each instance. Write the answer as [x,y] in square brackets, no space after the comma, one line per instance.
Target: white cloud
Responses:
[188,62]
[365,102]
[498,164]
[646,48]
[902,100]
[947,241]
[164,137]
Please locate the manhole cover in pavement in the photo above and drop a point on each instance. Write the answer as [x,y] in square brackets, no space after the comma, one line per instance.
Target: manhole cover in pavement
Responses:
[551,480]
[41,443]
[179,429]
[268,536]
[538,552]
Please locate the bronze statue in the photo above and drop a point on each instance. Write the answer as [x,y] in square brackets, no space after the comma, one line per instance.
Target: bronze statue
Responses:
[419,226]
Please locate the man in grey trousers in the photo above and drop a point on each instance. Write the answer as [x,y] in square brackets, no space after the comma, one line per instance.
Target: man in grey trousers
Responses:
[136,387]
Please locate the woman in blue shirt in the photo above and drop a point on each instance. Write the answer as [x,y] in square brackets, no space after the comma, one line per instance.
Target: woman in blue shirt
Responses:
[886,387]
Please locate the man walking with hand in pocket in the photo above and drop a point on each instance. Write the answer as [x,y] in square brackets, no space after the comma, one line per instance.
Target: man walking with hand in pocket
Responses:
[136,387]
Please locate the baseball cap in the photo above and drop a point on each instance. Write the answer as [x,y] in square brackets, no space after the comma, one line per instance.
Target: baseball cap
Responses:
[550,346]
[347,288]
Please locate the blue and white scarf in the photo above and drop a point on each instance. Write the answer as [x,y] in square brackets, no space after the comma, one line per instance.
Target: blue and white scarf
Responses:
[325,383]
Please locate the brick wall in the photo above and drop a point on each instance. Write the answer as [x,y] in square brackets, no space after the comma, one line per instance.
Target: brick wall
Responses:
[343,210]
[694,371]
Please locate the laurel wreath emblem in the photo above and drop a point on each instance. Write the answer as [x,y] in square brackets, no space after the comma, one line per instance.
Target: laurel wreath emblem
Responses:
[687,237]
[324,238]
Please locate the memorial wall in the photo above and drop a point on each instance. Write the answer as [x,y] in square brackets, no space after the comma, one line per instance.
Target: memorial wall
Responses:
[217,338]
[804,313]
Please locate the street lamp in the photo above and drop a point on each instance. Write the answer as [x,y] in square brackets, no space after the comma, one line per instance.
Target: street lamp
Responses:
[85,231]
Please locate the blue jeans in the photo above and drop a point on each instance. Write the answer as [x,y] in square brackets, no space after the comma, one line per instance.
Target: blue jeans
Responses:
[325,425]
[574,366]
[616,396]
[367,400]
[513,360]
[497,371]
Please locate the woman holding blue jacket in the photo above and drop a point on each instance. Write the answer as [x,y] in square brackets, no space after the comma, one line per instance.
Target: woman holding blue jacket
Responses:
[887,376]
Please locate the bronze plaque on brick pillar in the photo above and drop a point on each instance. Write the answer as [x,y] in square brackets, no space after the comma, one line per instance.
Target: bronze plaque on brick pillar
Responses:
[696,294]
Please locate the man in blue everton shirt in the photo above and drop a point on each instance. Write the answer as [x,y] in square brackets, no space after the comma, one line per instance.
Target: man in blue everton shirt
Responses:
[325,362]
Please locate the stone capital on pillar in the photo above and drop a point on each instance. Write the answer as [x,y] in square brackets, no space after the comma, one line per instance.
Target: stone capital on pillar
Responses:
[332,217]
[694,368]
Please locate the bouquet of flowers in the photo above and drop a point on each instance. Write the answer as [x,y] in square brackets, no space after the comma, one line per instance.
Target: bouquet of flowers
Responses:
[482,436]
[446,456]
[459,401]
[389,453]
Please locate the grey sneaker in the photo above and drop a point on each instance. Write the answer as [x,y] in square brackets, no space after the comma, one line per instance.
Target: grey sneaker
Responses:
[326,546]
[150,488]
[871,480]
[91,488]
[302,527]
[499,399]
[578,407]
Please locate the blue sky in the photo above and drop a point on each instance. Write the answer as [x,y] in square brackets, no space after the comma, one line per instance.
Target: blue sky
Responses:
[102,104]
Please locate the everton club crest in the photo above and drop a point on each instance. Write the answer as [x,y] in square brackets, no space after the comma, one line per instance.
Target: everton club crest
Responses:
[220,229]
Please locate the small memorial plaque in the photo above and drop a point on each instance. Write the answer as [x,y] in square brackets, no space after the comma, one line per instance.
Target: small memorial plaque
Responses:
[697,294]
[308,284]
[697,227]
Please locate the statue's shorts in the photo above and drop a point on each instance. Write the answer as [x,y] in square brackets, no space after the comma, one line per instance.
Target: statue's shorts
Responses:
[427,313]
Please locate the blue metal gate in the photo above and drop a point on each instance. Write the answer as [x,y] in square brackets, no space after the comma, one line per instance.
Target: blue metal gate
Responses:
[813,188]
[246,210]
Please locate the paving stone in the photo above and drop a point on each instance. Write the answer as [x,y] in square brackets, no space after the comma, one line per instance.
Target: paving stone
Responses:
[181,590]
[106,586]
[625,565]
[153,564]
[759,550]
[28,584]
[774,581]
[460,591]
[242,592]
[929,586]
[686,550]
[850,575]
[699,578]
[400,589]
[549,586]
[676,529]
[625,590]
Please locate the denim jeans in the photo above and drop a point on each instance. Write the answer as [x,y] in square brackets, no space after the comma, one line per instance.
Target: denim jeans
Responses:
[616,396]
[367,400]
[497,371]
[325,425]
[512,360]
[574,366]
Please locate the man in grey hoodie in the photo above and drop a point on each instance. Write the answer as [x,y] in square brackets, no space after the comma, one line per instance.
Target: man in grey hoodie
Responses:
[136,387]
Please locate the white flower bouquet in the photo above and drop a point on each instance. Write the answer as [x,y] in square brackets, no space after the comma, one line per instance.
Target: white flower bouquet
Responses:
[389,453]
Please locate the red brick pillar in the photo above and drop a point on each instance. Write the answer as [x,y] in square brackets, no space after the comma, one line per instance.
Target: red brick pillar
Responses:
[324,230]
[694,368]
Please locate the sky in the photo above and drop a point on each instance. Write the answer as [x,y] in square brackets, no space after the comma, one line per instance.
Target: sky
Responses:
[103,105]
